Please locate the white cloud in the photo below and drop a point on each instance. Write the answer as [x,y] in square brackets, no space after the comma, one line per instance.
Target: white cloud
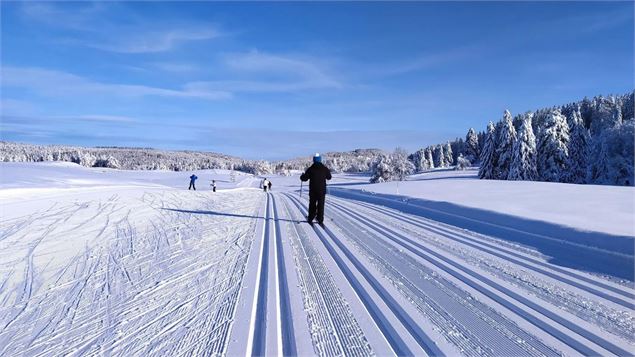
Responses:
[84,16]
[12,106]
[94,25]
[152,41]
[57,83]
[254,86]
[283,66]
[424,61]
[105,118]
[262,72]
[35,119]
[175,67]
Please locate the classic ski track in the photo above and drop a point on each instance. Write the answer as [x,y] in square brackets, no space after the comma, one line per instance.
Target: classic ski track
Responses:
[265,322]
[619,320]
[286,340]
[508,298]
[396,341]
[581,281]
[336,330]
[430,307]
[258,327]
[580,246]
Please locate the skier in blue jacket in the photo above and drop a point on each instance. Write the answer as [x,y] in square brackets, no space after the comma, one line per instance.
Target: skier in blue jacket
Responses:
[192,180]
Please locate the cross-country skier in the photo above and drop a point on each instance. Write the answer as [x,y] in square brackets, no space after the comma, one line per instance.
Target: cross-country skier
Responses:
[213,185]
[265,184]
[317,174]
[269,185]
[192,179]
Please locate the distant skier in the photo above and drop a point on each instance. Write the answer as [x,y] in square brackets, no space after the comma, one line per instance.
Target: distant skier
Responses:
[213,185]
[192,180]
[317,174]
[269,185]
[265,184]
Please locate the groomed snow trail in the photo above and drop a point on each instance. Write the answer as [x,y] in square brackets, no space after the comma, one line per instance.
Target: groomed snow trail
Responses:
[575,308]
[154,272]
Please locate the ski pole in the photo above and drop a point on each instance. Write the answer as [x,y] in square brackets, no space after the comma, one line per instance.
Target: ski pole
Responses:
[301,187]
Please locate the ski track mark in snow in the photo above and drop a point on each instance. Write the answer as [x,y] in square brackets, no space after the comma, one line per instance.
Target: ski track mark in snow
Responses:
[479,281]
[146,281]
[285,321]
[467,324]
[396,341]
[482,241]
[522,271]
[259,315]
[159,271]
[334,329]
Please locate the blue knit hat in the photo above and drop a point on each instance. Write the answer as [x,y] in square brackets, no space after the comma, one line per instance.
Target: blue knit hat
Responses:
[317,157]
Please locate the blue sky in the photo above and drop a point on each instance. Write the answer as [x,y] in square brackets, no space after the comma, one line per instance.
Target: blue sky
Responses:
[279,80]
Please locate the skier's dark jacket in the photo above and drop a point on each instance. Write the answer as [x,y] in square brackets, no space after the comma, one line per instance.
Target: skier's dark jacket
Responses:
[317,174]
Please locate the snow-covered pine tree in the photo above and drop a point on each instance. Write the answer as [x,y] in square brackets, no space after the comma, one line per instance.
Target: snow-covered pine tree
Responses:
[523,165]
[261,167]
[382,169]
[604,115]
[552,147]
[423,161]
[472,149]
[402,167]
[414,158]
[506,139]
[598,160]
[611,160]
[458,148]
[488,155]
[429,158]
[482,135]
[621,151]
[518,121]
[447,153]
[578,149]
[419,160]
[439,156]
[462,163]
[628,110]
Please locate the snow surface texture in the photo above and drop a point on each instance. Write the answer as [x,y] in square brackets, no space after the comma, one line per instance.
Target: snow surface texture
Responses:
[126,263]
[605,209]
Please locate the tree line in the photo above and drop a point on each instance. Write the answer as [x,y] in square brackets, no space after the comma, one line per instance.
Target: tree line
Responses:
[151,159]
[587,142]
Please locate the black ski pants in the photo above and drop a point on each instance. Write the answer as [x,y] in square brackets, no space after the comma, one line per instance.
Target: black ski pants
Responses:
[316,206]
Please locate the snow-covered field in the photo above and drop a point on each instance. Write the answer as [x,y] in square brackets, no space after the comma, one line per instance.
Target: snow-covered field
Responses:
[98,261]
[607,209]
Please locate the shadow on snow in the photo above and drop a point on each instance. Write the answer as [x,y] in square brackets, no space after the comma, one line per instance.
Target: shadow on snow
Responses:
[593,252]
[224,214]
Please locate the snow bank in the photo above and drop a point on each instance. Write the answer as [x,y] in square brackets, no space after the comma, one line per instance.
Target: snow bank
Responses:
[605,209]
